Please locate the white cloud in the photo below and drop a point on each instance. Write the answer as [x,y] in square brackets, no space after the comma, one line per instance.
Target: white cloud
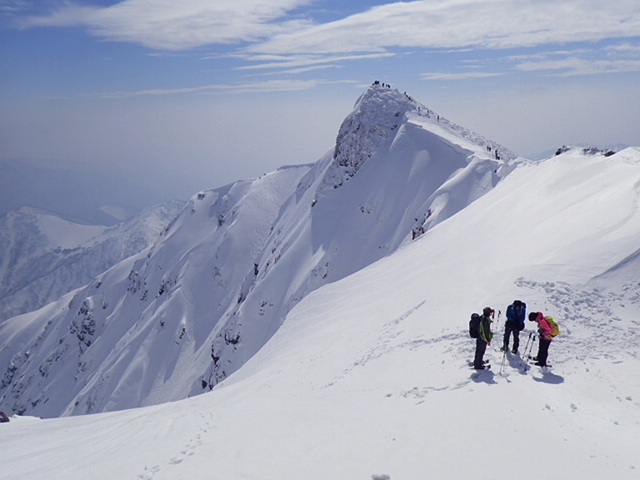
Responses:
[184,24]
[178,24]
[463,23]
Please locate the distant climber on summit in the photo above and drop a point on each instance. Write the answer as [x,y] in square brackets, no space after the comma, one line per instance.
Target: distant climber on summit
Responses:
[516,315]
[484,338]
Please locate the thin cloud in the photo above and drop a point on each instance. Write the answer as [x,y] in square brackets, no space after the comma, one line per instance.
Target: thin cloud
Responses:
[283,61]
[458,76]
[624,50]
[580,66]
[624,57]
[297,71]
[270,86]
[248,87]
[13,6]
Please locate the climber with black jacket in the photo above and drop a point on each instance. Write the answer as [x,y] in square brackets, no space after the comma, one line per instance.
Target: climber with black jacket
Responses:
[484,338]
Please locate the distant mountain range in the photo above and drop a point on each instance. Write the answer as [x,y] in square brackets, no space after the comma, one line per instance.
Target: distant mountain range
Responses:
[43,256]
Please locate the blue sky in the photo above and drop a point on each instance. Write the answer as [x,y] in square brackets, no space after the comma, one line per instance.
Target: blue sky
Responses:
[209,91]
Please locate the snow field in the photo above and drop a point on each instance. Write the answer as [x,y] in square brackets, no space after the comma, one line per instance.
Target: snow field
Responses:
[367,377]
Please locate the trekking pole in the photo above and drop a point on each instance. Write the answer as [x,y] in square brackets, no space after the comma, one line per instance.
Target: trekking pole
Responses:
[528,354]
[497,319]
[526,348]
[504,355]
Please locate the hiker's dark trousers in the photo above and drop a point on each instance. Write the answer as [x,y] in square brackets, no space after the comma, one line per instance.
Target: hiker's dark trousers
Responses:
[481,347]
[543,351]
[509,328]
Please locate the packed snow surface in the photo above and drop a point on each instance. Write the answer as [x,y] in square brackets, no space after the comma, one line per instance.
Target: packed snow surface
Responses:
[367,378]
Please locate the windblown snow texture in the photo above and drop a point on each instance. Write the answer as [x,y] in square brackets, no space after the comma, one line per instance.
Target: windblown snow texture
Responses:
[180,318]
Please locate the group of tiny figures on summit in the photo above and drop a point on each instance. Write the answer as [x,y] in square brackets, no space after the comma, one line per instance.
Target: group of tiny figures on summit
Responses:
[480,329]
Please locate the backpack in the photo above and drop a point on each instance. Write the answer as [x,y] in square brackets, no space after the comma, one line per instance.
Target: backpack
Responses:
[555,328]
[474,325]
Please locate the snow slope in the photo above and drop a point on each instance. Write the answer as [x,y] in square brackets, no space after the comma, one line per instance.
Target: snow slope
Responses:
[43,256]
[177,320]
[367,377]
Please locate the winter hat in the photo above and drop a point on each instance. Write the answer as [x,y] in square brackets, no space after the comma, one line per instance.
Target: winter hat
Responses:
[487,311]
[533,316]
[517,303]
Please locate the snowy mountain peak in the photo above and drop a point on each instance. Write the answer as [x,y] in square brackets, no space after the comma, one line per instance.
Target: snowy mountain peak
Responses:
[377,113]
[377,120]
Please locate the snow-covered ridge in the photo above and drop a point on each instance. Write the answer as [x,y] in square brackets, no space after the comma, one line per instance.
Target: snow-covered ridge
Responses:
[378,112]
[586,150]
[185,315]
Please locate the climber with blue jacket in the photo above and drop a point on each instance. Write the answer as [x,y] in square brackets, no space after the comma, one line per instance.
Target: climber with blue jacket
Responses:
[516,316]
